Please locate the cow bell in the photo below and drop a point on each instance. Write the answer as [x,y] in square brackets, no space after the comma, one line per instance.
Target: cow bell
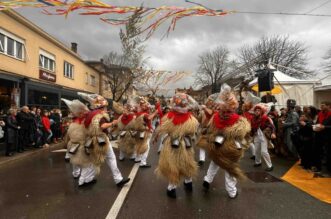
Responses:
[238,145]
[219,140]
[188,142]
[175,143]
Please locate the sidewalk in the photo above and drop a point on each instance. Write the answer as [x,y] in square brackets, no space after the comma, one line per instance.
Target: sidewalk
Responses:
[18,156]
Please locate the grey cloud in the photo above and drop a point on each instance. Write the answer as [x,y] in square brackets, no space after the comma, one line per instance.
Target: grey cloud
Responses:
[195,35]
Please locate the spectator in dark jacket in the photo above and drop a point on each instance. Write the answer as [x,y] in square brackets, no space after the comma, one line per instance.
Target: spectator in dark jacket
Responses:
[304,143]
[25,121]
[12,133]
[290,125]
[56,125]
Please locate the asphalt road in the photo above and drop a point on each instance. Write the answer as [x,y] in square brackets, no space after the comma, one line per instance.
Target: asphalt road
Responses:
[41,186]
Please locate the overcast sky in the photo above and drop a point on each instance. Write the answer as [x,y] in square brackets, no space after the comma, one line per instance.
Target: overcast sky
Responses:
[194,35]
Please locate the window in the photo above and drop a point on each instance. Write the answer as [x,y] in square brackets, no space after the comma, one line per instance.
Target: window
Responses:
[46,61]
[106,85]
[11,45]
[68,70]
[2,42]
[92,80]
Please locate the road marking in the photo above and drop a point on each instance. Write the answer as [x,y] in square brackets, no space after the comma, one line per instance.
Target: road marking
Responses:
[59,151]
[115,209]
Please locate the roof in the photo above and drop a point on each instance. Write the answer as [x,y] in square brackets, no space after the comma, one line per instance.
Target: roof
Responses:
[286,79]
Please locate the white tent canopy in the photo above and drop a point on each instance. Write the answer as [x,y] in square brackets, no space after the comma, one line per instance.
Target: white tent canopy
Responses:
[300,90]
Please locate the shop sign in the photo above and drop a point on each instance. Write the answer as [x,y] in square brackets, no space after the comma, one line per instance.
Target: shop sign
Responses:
[44,75]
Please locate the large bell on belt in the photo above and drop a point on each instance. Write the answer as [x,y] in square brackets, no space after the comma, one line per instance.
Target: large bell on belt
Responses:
[175,143]
[219,139]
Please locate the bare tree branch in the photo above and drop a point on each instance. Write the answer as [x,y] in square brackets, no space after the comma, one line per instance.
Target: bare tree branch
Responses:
[279,50]
[213,66]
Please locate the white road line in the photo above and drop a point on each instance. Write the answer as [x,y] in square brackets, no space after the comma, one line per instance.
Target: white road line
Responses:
[59,151]
[115,209]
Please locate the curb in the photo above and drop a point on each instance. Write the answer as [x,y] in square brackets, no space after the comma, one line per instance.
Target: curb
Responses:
[5,160]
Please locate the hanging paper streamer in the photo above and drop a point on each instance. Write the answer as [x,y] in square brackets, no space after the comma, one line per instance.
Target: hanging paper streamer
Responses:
[151,18]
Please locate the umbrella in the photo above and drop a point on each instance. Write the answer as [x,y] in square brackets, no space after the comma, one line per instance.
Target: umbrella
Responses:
[276,90]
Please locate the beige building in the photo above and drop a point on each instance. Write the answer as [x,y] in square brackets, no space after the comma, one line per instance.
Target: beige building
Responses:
[37,69]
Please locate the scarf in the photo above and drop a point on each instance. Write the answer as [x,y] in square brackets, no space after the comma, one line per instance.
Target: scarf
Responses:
[90,116]
[178,118]
[126,118]
[226,120]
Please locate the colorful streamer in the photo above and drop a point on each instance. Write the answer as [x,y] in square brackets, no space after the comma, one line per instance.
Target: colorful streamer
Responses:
[152,18]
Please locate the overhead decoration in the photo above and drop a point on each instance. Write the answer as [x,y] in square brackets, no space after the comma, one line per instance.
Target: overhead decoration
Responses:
[152,18]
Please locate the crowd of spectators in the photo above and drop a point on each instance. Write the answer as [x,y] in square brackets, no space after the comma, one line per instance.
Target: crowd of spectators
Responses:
[28,128]
[305,134]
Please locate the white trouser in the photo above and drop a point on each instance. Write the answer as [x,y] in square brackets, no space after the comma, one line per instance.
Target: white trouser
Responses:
[261,149]
[123,154]
[202,155]
[67,156]
[230,181]
[75,170]
[87,174]
[111,162]
[160,142]
[143,157]
[252,148]
[173,186]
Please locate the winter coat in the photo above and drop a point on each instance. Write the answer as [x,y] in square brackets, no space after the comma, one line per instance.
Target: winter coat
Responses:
[291,125]
[46,123]
[12,130]
[25,120]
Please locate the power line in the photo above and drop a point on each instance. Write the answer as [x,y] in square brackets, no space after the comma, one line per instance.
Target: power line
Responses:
[283,13]
[321,5]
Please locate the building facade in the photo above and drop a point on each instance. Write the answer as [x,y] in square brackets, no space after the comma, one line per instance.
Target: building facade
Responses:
[38,70]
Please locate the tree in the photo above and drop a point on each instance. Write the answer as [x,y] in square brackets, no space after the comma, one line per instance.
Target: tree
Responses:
[120,77]
[155,80]
[127,69]
[289,56]
[213,66]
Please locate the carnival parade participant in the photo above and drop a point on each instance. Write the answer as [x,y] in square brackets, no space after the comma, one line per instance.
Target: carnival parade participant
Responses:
[177,155]
[97,143]
[261,125]
[205,115]
[143,126]
[126,140]
[82,164]
[250,101]
[226,141]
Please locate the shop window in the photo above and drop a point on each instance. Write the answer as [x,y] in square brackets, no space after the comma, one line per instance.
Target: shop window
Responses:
[11,45]
[42,98]
[68,70]
[46,61]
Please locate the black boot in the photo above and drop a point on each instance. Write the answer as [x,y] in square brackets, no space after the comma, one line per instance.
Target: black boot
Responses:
[188,186]
[206,185]
[123,182]
[171,193]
